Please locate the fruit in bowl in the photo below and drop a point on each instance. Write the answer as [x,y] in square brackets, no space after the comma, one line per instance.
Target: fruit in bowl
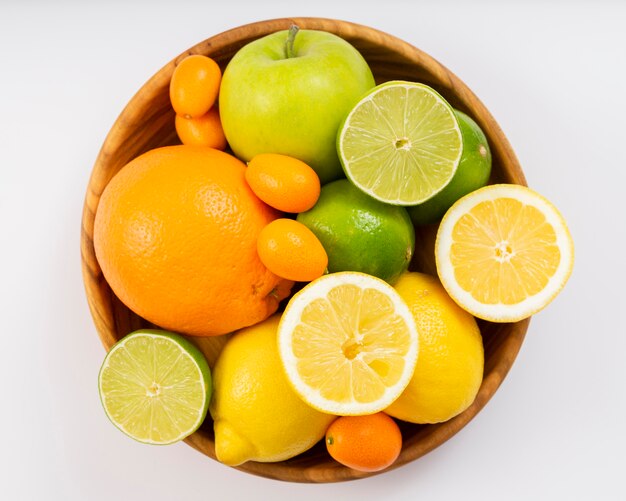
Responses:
[148,123]
[294,86]
[176,236]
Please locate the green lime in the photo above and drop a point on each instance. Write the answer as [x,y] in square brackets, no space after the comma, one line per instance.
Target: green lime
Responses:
[401,143]
[155,386]
[360,233]
[472,173]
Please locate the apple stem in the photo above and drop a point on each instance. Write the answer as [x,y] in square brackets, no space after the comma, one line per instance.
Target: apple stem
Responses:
[293,31]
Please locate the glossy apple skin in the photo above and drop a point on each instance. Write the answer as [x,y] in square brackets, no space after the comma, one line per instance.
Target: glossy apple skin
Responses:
[270,103]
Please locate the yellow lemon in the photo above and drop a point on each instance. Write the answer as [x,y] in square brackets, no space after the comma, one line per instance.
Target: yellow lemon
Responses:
[256,414]
[449,368]
[348,343]
[503,252]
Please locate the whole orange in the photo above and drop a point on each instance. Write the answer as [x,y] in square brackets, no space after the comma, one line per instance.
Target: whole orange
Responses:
[175,234]
[371,442]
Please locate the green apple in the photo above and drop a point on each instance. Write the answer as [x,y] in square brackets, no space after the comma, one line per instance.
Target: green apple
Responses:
[288,92]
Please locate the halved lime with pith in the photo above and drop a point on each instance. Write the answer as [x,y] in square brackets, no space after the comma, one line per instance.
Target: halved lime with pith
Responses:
[401,143]
[155,386]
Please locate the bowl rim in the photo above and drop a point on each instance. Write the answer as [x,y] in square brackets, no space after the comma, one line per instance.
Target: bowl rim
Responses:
[99,296]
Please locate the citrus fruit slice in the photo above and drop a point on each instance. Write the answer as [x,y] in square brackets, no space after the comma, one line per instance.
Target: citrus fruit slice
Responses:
[155,386]
[503,252]
[348,343]
[401,143]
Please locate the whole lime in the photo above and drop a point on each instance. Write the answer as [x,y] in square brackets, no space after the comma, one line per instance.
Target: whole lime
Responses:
[360,233]
[472,173]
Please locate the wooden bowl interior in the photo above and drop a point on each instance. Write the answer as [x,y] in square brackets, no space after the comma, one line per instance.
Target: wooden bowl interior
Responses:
[148,122]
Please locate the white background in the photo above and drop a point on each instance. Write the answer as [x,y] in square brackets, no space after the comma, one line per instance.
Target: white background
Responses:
[552,74]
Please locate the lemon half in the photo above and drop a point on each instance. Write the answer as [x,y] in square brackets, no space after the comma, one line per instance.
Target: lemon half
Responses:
[503,252]
[348,343]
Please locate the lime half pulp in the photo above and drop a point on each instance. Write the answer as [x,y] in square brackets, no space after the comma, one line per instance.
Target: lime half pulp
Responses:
[155,386]
[401,143]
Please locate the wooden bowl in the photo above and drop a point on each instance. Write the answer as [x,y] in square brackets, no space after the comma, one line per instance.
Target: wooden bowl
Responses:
[148,122]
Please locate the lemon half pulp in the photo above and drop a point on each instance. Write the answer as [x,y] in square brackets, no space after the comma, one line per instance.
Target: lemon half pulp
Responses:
[503,252]
[348,343]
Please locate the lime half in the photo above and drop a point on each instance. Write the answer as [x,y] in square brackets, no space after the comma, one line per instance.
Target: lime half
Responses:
[155,386]
[401,143]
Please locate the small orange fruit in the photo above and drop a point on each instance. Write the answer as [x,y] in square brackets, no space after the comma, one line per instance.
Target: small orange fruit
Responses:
[194,85]
[175,234]
[366,443]
[202,131]
[284,182]
[290,250]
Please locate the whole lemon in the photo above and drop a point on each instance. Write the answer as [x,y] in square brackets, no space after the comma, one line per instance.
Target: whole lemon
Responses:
[256,414]
[449,368]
